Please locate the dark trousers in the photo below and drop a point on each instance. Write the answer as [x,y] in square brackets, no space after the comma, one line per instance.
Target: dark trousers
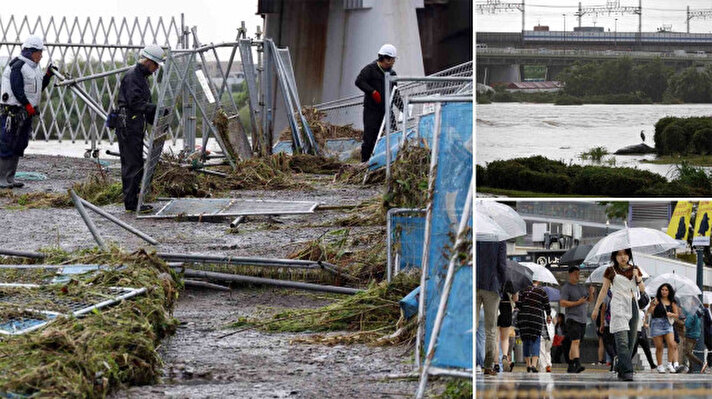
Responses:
[15,129]
[131,148]
[372,120]
[645,344]
[609,344]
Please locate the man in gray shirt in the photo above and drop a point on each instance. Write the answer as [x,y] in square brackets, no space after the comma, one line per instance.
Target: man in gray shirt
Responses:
[575,298]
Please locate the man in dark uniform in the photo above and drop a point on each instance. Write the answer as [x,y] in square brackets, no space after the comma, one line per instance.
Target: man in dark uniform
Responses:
[20,91]
[371,80]
[135,110]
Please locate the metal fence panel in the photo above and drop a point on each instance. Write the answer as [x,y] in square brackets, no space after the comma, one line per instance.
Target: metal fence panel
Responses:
[79,48]
[224,207]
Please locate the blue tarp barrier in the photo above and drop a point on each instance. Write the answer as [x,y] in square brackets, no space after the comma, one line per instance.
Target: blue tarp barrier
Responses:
[409,303]
[454,174]
[425,132]
[408,233]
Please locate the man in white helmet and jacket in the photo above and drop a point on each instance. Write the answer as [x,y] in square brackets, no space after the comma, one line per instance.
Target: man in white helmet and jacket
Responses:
[371,80]
[20,92]
[135,110]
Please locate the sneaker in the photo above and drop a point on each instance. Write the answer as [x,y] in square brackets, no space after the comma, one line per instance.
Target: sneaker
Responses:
[478,369]
[496,368]
[580,369]
[681,369]
[505,364]
[490,372]
[511,367]
[661,369]
[627,377]
[571,369]
[548,369]
[670,368]
[535,370]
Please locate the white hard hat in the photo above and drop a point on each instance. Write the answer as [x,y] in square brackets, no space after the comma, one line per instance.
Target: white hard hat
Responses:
[154,53]
[34,42]
[388,50]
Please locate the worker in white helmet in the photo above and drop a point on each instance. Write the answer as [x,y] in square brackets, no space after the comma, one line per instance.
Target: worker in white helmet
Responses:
[371,80]
[135,109]
[20,92]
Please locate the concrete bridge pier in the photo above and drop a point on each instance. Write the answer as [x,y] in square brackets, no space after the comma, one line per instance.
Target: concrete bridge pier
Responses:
[501,73]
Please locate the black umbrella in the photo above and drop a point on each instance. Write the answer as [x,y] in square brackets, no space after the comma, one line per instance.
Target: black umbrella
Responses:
[520,276]
[575,255]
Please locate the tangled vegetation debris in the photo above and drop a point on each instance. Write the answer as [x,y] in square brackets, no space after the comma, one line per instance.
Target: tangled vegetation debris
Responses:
[372,313]
[93,355]
[322,130]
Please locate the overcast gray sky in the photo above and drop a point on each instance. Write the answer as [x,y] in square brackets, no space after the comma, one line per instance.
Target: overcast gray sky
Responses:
[217,21]
[550,12]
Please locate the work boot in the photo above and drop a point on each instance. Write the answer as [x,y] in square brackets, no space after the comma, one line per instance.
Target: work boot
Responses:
[11,174]
[5,168]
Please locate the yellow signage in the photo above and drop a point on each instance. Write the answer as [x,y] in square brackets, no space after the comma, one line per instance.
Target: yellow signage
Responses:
[703,222]
[680,221]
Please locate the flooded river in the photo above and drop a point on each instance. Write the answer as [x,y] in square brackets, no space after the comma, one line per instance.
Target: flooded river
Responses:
[512,130]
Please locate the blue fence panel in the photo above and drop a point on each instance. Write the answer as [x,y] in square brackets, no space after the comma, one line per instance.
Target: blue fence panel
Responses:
[408,234]
[454,173]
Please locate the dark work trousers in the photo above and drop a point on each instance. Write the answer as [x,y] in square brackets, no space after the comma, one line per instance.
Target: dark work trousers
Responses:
[15,129]
[130,141]
[372,120]
[645,344]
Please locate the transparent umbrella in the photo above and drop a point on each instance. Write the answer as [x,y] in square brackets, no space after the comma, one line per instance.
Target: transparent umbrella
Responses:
[596,276]
[682,285]
[541,273]
[487,229]
[504,216]
[689,303]
[639,239]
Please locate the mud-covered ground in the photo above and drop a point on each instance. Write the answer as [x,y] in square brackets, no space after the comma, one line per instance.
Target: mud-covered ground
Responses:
[249,364]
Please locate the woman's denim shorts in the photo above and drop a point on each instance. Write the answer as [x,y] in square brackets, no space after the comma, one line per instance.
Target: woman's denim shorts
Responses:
[660,326]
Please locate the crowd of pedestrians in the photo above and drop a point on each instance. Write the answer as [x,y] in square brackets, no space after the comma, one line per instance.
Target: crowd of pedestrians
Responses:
[623,316]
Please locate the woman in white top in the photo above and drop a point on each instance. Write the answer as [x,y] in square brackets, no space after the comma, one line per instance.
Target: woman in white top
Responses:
[624,280]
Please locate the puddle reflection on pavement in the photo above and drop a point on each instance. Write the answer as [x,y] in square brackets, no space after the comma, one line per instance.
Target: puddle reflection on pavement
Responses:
[593,385]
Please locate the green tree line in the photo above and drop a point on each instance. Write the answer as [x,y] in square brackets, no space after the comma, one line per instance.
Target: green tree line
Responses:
[654,80]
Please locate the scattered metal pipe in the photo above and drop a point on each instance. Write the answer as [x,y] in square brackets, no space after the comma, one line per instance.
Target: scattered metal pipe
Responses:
[110,301]
[114,219]
[237,221]
[22,254]
[67,82]
[204,284]
[269,281]
[240,260]
[211,172]
[87,220]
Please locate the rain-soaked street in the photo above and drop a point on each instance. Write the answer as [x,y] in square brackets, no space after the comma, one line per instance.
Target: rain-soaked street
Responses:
[593,384]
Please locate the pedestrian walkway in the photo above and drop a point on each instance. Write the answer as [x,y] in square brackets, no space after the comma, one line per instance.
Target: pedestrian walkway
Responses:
[593,384]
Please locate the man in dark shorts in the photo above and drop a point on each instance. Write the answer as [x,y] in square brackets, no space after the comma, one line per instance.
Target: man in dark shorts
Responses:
[575,298]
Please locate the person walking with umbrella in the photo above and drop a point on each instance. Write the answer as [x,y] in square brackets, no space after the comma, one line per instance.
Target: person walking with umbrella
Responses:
[491,277]
[575,298]
[664,310]
[623,279]
[504,323]
[533,306]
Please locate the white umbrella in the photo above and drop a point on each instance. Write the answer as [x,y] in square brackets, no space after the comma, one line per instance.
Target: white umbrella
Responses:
[541,273]
[487,229]
[681,284]
[597,275]
[504,216]
[639,239]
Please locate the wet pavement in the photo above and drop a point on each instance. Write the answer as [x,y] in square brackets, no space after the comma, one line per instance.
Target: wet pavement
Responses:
[593,384]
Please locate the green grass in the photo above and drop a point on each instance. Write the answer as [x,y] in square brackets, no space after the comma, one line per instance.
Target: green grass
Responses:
[595,154]
[697,160]
[522,193]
